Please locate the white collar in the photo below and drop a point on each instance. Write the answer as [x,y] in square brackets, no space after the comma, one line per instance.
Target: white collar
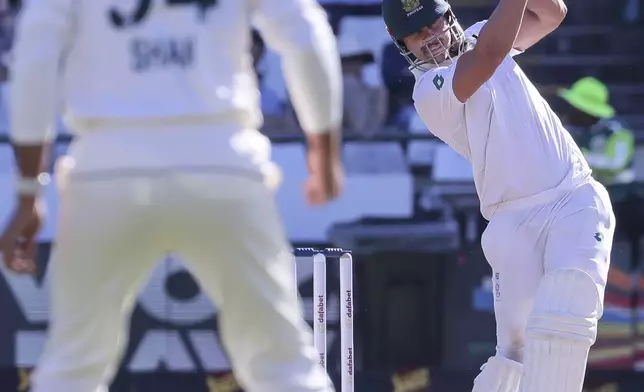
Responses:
[419,70]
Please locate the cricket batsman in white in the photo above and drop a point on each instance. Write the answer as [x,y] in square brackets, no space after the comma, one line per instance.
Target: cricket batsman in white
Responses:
[168,158]
[550,224]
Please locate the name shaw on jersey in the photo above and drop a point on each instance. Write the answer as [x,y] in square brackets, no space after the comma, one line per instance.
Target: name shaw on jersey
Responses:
[151,53]
[155,53]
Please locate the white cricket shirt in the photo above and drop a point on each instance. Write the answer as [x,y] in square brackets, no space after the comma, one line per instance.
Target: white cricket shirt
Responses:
[516,144]
[116,64]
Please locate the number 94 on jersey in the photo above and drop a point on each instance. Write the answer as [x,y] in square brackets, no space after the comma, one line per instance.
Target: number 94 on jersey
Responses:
[155,53]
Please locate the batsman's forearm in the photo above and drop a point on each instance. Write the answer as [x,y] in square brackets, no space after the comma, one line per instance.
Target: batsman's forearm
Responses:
[498,35]
[541,18]
[549,12]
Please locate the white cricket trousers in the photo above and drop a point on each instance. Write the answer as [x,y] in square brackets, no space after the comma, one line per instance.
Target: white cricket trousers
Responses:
[113,230]
[525,242]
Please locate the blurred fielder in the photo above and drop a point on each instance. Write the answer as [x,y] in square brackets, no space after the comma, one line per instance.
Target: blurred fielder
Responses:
[551,225]
[168,158]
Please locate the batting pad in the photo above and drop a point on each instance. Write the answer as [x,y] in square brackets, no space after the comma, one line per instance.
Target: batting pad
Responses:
[499,374]
[560,331]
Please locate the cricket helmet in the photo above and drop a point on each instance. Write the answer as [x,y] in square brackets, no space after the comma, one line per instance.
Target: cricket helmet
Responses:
[405,17]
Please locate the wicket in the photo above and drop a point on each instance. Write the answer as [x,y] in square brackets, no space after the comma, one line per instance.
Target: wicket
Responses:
[319,257]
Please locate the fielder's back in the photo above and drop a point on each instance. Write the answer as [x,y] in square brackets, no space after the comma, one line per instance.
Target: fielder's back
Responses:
[163,58]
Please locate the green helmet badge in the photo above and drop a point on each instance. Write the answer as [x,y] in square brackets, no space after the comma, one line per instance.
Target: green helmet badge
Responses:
[410,5]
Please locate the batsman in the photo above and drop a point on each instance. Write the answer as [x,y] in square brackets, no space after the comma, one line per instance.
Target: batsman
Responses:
[551,225]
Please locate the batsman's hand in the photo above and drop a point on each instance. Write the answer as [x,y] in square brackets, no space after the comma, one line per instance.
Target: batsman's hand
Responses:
[18,245]
[326,175]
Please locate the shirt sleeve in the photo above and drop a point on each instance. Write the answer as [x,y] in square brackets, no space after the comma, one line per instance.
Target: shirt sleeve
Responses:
[474,30]
[299,31]
[436,103]
[35,68]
